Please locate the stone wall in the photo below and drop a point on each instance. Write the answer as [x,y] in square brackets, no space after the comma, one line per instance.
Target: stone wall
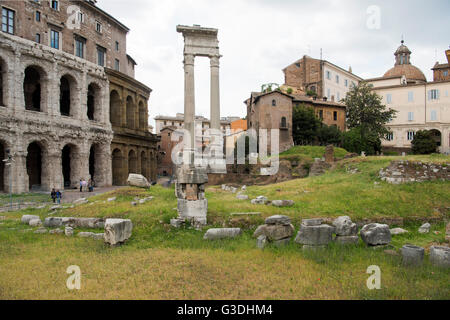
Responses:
[414,171]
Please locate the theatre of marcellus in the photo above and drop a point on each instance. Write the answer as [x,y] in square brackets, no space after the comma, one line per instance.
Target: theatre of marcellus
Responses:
[70,107]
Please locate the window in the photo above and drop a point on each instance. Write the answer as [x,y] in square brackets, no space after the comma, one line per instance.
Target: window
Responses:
[283,123]
[79,48]
[445,73]
[329,93]
[274,103]
[117,65]
[338,96]
[410,135]
[328,75]
[80,17]
[101,56]
[346,82]
[117,45]
[38,38]
[54,39]
[55,5]
[7,21]
[335,116]
[390,136]
[433,115]
[410,116]
[389,98]
[98,27]
[321,114]
[337,79]
[38,16]
[410,96]
[433,94]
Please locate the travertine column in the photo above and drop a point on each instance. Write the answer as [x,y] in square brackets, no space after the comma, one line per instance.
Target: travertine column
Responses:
[215,92]
[189,98]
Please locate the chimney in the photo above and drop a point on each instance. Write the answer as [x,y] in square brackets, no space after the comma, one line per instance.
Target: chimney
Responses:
[447,53]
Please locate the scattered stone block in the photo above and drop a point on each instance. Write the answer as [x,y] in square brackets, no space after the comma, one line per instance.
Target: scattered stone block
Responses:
[112,199]
[35,223]
[80,201]
[41,230]
[345,227]
[397,231]
[375,234]
[222,233]
[138,180]
[275,232]
[68,231]
[425,228]
[283,203]
[85,234]
[312,222]
[412,255]
[133,203]
[27,218]
[244,188]
[117,231]
[278,219]
[52,222]
[261,242]
[315,235]
[98,236]
[440,256]
[260,200]
[447,232]
[242,197]
[347,239]
[177,223]
[142,201]
[56,231]
[282,242]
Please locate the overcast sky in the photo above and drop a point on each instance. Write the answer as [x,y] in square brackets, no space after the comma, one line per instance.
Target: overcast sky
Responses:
[258,38]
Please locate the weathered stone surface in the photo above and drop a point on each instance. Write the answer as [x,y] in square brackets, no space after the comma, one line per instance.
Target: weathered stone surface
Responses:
[412,171]
[329,154]
[425,228]
[56,231]
[112,199]
[278,219]
[92,223]
[177,223]
[345,227]
[80,201]
[283,203]
[194,211]
[95,236]
[27,218]
[412,255]
[68,231]
[222,233]
[397,231]
[56,207]
[440,256]
[41,230]
[52,222]
[35,223]
[138,180]
[260,200]
[275,232]
[242,197]
[315,235]
[117,230]
[347,239]
[98,236]
[133,203]
[282,242]
[376,234]
[447,232]
[312,222]
[261,242]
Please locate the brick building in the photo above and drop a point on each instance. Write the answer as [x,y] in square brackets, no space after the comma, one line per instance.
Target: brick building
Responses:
[441,71]
[58,60]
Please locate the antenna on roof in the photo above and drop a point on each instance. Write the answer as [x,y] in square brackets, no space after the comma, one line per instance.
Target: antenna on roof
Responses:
[321,54]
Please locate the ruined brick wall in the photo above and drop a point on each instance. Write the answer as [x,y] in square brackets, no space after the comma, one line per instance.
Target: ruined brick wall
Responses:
[414,171]
[305,74]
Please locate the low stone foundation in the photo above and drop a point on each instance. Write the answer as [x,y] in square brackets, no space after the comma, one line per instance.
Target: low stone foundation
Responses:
[411,171]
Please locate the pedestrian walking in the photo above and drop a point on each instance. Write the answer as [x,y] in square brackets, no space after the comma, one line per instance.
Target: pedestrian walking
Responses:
[53,195]
[81,185]
[58,196]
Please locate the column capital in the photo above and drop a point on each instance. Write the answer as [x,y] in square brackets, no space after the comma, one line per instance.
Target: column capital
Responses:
[189,59]
[215,60]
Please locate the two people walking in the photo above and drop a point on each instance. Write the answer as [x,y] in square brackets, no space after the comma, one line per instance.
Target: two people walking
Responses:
[84,185]
[56,196]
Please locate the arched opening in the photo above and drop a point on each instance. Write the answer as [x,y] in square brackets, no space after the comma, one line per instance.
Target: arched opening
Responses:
[2,167]
[144,164]
[93,101]
[66,166]
[132,162]
[283,122]
[114,108]
[34,166]
[2,82]
[32,87]
[92,162]
[65,96]
[130,113]
[437,136]
[142,115]
[117,167]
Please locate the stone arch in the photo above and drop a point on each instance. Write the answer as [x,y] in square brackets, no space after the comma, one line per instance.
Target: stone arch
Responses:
[67,96]
[437,136]
[115,112]
[94,103]
[142,115]
[144,164]
[34,164]
[3,155]
[283,122]
[34,85]
[3,81]
[117,167]
[95,163]
[132,162]
[71,166]
[131,112]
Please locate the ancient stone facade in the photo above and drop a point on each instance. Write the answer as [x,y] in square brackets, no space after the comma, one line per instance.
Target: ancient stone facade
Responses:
[54,119]
[414,171]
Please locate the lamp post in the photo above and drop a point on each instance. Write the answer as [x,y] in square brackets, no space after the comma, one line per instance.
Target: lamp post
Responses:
[8,163]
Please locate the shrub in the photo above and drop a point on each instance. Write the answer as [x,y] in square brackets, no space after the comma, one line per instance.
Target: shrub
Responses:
[423,143]
[353,141]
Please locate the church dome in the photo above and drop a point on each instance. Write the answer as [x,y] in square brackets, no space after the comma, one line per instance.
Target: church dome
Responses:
[403,66]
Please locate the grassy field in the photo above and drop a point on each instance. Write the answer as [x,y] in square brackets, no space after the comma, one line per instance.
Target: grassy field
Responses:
[159,262]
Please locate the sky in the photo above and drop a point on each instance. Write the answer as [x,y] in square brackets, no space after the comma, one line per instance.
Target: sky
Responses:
[258,38]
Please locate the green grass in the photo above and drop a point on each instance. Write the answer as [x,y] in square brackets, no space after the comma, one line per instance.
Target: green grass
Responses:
[160,262]
[308,153]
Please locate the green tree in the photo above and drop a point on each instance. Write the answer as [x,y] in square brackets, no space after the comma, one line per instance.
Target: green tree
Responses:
[367,113]
[424,143]
[329,135]
[305,125]
[352,141]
